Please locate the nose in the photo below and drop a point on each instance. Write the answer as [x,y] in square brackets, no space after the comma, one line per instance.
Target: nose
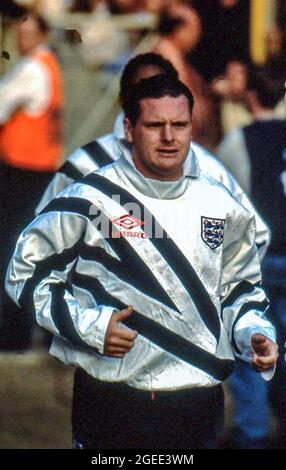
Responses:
[167,133]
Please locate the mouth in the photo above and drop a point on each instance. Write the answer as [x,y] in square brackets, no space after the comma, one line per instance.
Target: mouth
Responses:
[167,152]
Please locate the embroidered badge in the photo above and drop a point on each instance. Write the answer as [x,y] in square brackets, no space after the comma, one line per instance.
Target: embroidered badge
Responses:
[212,231]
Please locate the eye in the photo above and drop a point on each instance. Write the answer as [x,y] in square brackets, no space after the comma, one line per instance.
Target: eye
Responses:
[180,124]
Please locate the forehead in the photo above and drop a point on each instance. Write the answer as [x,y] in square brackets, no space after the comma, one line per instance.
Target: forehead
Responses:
[165,108]
[27,23]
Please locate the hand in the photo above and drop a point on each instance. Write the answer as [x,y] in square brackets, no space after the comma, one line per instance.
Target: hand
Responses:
[118,340]
[265,353]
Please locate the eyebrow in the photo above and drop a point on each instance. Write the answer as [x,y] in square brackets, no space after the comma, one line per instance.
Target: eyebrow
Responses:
[180,122]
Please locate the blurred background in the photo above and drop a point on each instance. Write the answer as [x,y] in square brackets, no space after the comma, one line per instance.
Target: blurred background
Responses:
[94,39]
[214,44]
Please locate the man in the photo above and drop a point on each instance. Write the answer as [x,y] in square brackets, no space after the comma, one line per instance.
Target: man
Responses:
[146,272]
[104,150]
[31,100]
[256,156]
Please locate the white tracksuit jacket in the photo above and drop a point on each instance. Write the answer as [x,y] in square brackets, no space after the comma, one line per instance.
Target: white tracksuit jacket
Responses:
[187,264]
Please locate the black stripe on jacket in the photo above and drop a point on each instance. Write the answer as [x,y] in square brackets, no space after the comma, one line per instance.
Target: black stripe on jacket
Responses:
[244,287]
[61,316]
[97,153]
[69,170]
[130,270]
[74,205]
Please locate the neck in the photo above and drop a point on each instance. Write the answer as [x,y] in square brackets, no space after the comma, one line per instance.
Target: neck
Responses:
[28,50]
[160,176]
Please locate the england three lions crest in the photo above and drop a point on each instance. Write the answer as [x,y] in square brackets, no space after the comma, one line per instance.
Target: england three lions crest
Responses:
[212,231]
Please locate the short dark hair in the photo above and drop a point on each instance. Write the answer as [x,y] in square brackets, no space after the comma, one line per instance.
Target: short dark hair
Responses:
[168,23]
[11,10]
[154,87]
[269,90]
[130,71]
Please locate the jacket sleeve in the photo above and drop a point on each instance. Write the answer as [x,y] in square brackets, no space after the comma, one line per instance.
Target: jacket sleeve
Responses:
[41,268]
[75,167]
[26,86]
[59,182]
[244,303]
[262,234]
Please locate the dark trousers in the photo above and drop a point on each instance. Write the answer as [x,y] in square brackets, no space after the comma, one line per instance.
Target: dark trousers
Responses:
[20,192]
[116,416]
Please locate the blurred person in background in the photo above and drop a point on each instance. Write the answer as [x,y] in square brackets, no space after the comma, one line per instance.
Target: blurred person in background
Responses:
[276,62]
[275,44]
[31,149]
[179,32]
[225,35]
[256,156]
[231,91]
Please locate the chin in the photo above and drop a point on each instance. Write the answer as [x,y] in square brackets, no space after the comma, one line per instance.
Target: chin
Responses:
[169,174]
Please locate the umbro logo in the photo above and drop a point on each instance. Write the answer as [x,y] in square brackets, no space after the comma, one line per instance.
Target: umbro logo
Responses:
[128,222]
[135,221]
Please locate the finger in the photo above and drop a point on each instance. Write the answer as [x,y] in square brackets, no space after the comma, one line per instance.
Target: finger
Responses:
[117,350]
[123,314]
[268,350]
[259,365]
[122,333]
[265,360]
[261,369]
[127,335]
[258,339]
[262,350]
[260,345]
[265,348]
[119,342]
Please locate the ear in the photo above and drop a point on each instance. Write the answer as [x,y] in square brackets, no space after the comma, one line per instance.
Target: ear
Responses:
[128,129]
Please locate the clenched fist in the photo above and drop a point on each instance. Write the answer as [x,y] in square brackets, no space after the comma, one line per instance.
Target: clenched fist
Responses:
[118,340]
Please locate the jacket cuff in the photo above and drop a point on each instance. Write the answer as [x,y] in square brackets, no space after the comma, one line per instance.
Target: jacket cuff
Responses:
[95,334]
[247,326]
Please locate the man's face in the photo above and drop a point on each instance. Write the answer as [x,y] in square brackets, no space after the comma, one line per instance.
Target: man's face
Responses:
[161,137]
